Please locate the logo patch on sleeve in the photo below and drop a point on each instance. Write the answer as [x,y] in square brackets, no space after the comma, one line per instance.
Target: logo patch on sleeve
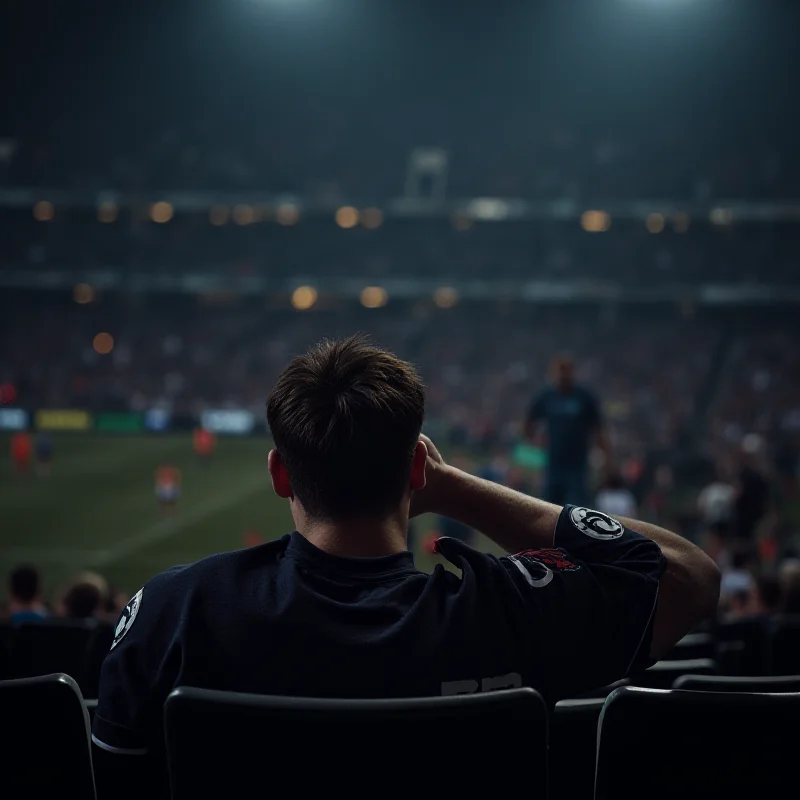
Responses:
[596,524]
[554,557]
[127,617]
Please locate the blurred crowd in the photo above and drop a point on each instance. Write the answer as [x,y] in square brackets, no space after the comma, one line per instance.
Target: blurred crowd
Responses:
[680,251]
[87,596]
[482,362]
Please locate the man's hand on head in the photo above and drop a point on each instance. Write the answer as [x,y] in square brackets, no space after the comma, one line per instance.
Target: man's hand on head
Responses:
[425,500]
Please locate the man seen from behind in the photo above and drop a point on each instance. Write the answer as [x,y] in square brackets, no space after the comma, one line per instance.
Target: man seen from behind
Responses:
[337,608]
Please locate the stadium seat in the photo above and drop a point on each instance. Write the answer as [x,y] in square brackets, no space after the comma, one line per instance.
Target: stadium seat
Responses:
[658,744]
[603,691]
[784,646]
[664,673]
[223,741]
[46,750]
[6,632]
[573,748]
[738,683]
[694,645]
[42,648]
[99,645]
[742,646]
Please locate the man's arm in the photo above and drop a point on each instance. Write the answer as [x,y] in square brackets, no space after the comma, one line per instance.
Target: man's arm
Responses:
[688,589]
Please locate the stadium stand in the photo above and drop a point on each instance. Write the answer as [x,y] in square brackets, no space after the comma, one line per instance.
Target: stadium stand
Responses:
[45,715]
[726,743]
[623,187]
[216,741]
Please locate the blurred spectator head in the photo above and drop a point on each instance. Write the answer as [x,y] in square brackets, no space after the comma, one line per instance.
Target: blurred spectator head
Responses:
[739,604]
[562,371]
[740,558]
[24,585]
[346,418]
[115,602]
[86,597]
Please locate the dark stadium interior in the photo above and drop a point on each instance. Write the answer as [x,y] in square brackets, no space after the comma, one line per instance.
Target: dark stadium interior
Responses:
[194,193]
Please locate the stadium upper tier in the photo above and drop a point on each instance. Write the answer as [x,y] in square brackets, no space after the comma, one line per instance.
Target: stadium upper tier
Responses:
[328,151]
[639,254]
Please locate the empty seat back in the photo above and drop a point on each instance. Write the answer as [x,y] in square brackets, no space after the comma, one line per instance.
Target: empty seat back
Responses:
[784,646]
[743,643]
[664,673]
[738,683]
[6,632]
[227,742]
[46,750]
[573,747]
[50,646]
[693,645]
[667,744]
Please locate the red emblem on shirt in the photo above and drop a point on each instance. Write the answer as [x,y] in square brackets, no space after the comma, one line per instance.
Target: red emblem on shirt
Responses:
[553,557]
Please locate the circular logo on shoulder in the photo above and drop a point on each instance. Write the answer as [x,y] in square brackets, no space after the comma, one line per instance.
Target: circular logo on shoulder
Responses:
[595,523]
[127,617]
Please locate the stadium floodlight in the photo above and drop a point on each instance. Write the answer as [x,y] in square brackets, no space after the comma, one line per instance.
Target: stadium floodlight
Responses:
[374,297]
[304,297]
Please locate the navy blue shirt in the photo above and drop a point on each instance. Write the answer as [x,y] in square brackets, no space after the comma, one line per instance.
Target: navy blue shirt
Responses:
[570,419]
[287,618]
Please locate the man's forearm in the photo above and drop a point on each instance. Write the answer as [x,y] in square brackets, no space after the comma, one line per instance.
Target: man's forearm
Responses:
[511,519]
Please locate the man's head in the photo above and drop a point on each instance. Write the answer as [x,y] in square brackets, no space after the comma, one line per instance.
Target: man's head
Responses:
[562,370]
[24,585]
[346,418]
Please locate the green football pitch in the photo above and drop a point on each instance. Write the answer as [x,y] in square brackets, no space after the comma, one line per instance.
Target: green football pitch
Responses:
[97,510]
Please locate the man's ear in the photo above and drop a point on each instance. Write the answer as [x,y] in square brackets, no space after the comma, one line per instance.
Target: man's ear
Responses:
[279,475]
[418,462]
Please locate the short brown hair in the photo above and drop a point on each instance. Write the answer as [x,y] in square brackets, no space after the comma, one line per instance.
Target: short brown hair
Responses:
[346,417]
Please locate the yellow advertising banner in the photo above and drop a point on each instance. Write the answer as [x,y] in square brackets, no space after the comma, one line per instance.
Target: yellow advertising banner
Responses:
[67,419]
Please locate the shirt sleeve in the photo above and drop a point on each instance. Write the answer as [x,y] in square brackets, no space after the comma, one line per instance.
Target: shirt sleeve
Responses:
[586,604]
[135,676]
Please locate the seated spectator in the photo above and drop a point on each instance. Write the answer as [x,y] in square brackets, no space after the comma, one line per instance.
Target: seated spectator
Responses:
[737,579]
[85,598]
[716,505]
[25,594]
[338,609]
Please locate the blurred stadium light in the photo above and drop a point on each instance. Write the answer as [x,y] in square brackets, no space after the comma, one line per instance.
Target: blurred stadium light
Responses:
[374,297]
[43,211]
[304,297]
[595,221]
[103,343]
[161,211]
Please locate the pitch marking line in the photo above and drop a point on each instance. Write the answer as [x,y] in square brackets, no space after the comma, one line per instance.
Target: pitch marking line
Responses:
[166,528]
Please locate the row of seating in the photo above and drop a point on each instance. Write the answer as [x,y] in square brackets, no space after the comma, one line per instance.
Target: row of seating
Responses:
[75,647]
[769,646]
[651,743]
